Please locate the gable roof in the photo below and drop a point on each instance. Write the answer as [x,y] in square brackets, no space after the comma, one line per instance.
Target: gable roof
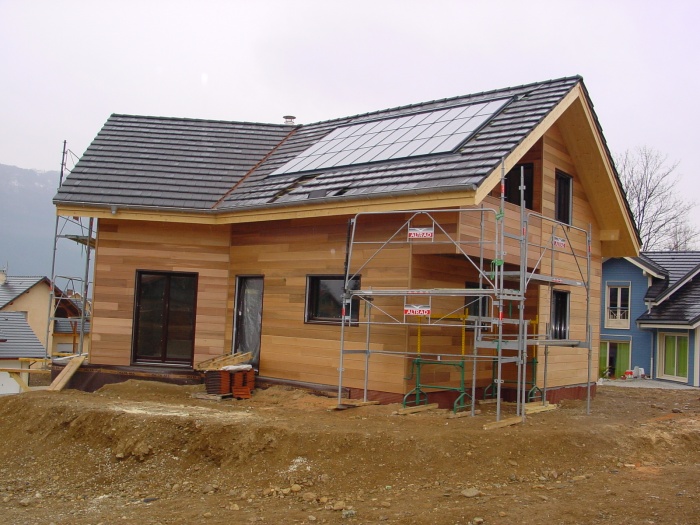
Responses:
[153,168]
[14,286]
[645,263]
[678,267]
[674,298]
[682,309]
[209,165]
[20,339]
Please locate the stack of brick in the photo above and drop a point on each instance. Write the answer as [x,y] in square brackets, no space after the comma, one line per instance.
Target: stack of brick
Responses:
[242,384]
[217,382]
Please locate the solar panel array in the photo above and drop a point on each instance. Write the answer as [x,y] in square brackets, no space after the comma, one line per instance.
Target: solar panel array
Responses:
[438,131]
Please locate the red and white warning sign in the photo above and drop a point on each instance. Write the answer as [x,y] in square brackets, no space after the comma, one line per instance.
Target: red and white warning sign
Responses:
[416,309]
[421,233]
[558,242]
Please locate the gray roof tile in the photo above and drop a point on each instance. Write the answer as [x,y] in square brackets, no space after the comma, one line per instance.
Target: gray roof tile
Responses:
[201,165]
[14,286]
[21,341]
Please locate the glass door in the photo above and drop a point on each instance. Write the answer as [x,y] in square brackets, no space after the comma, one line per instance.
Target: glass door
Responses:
[248,322]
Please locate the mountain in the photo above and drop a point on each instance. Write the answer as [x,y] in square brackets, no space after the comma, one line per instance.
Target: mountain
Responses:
[27,225]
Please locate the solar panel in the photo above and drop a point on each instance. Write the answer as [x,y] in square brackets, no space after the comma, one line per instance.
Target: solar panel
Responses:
[438,131]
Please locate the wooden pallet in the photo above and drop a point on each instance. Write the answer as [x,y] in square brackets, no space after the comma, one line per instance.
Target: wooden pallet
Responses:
[71,368]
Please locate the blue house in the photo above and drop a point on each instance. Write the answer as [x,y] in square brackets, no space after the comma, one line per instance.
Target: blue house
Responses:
[650,316]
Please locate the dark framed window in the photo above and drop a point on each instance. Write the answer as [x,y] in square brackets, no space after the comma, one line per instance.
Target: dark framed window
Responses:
[476,305]
[324,299]
[164,317]
[563,197]
[560,314]
[512,185]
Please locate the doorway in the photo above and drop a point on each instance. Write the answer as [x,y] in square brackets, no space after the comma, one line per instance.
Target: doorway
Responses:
[248,322]
[614,359]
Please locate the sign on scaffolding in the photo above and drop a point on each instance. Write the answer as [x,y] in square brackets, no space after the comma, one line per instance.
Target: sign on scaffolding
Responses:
[416,309]
[421,233]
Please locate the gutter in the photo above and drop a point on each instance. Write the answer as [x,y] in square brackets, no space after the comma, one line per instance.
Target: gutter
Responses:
[275,205]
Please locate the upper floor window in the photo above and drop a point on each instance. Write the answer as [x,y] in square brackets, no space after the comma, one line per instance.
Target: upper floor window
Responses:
[512,185]
[560,314]
[563,197]
[324,299]
[618,307]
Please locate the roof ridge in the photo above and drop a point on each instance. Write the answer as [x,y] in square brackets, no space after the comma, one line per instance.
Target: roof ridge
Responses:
[445,99]
[194,119]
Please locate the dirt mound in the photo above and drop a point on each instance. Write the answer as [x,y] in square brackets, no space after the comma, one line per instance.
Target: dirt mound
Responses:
[144,452]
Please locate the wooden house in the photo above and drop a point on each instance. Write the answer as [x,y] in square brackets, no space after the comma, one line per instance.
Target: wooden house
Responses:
[218,237]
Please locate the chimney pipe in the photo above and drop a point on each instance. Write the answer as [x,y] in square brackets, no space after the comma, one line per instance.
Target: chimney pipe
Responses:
[289,119]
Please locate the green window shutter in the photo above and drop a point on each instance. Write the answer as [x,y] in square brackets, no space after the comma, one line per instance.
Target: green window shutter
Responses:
[669,355]
[622,362]
[603,359]
[682,357]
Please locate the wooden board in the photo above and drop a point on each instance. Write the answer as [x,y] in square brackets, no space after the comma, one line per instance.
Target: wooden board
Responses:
[420,408]
[503,423]
[71,368]
[216,363]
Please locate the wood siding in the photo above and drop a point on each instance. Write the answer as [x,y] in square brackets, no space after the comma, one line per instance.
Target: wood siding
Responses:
[123,247]
[286,252]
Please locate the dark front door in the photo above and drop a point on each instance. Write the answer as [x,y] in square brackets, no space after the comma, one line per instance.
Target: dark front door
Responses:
[249,301]
[164,317]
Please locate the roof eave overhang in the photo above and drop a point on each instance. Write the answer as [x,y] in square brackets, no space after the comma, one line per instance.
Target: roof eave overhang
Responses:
[644,267]
[581,132]
[428,198]
[674,325]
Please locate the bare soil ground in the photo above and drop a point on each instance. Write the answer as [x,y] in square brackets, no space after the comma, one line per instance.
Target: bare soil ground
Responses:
[142,452]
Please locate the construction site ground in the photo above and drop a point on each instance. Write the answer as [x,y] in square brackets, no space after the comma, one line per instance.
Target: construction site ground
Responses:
[151,453]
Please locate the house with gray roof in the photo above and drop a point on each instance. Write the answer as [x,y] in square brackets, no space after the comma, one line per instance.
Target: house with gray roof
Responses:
[216,237]
[18,344]
[650,316]
[30,295]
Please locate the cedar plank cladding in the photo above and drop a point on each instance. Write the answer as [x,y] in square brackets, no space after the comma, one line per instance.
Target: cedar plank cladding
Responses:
[286,252]
[568,366]
[125,247]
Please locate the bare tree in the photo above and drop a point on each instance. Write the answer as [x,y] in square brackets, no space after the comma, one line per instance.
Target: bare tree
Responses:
[660,213]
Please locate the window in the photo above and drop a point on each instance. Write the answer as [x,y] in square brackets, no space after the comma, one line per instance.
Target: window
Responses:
[475,305]
[562,197]
[512,185]
[324,299]
[673,356]
[560,314]
[164,317]
[614,359]
[618,307]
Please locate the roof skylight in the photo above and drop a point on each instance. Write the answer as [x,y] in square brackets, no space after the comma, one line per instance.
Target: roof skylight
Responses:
[438,131]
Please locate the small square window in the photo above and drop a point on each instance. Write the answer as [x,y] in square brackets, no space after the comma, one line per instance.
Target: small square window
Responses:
[563,197]
[560,314]
[324,299]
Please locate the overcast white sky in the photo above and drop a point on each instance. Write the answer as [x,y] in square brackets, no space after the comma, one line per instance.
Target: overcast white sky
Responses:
[67,65]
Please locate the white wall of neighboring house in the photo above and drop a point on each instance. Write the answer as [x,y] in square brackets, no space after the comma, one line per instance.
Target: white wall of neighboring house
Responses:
[7,384]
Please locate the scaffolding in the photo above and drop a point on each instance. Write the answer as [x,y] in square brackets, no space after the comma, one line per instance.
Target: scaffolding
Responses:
[553,255]
[71,289]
